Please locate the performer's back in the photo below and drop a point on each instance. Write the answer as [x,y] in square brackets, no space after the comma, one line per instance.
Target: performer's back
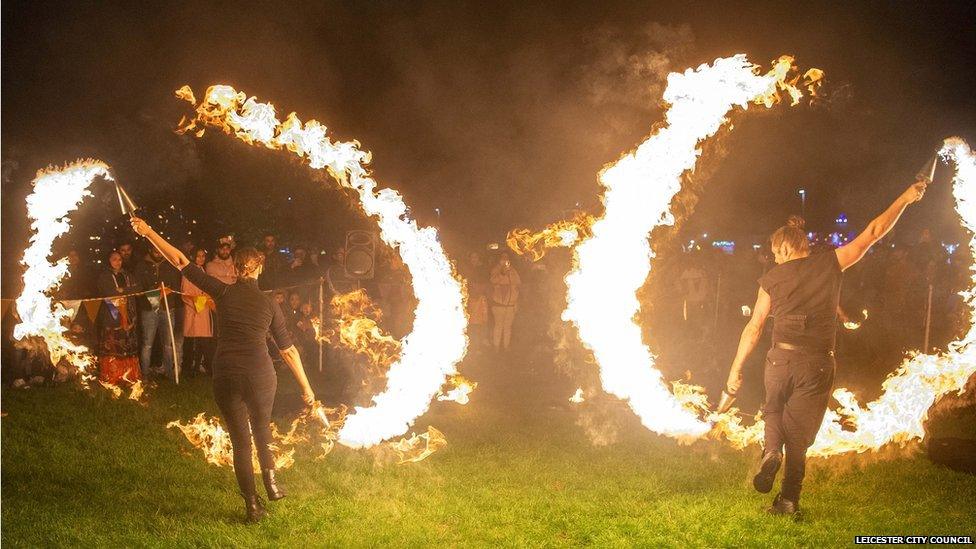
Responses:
[804,295]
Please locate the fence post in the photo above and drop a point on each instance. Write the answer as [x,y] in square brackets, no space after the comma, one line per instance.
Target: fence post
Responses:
[321,322]
[928,321]
[172,334]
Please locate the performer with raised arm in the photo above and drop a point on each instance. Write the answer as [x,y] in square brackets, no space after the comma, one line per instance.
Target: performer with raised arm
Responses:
[243,377]
[802,293]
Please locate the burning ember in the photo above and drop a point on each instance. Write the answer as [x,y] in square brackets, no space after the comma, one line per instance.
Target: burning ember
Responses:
[430,353]
[612,264]
[57,193]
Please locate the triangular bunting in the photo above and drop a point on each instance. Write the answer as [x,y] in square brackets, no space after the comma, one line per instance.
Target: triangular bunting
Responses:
[72,305]
[92,307]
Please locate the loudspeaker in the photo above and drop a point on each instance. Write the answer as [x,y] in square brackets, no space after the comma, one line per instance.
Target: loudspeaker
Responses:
[360,255]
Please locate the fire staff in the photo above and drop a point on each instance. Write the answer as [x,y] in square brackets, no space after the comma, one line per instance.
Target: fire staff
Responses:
[243,377]
[802,293]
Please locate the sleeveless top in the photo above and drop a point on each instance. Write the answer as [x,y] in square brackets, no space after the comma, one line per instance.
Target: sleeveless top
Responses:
[805,294]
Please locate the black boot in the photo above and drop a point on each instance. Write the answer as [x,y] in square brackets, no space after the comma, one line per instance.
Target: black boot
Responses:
[783,506]
[253,508]
[274,491]
[768,466]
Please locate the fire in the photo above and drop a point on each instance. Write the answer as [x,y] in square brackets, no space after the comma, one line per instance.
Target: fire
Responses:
[57,193]
[355,326]
[899,414]
[418,446]
[430,353]
[561,234]
[208,435]
[612,264]
[461,387]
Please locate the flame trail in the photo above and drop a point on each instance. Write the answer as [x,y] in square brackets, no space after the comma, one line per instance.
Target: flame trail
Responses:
[612,264]
[57,193]
[438,342]
[561,234]
[208,435]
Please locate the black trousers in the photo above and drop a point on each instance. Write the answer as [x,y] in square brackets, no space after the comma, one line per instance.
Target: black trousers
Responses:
[245,402]
[798,386]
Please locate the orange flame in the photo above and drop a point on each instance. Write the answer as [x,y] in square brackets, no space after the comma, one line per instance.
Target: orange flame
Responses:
[208,435]
[561,234]
[417,447]
[355,326]
[460,389]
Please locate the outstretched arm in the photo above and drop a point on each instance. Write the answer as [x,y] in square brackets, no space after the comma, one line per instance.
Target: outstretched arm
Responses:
[290,353]
[851,253]
[170,252]
[747,342]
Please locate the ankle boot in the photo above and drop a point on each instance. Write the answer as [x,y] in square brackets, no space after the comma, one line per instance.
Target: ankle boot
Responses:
[274,491]
[253,508]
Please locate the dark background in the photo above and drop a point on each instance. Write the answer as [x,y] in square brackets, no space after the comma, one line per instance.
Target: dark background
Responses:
[498,113]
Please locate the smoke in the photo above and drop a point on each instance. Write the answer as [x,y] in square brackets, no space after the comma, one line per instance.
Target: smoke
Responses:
[631,68]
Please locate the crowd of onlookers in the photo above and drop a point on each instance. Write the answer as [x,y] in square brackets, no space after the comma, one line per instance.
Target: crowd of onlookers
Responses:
[692,308]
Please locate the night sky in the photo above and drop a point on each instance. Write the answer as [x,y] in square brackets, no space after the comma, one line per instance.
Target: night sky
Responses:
[499,114]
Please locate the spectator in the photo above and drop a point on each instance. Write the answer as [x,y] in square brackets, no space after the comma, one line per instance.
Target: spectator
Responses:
[221,266]
[150,273]
[77,284]
[505,284]
[116,324]
[474,272]
[273,262]
[301,269]
[128,262]
[197,322]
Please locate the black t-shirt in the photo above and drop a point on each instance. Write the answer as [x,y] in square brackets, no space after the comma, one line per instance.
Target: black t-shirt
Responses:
[805,294]
[245,314]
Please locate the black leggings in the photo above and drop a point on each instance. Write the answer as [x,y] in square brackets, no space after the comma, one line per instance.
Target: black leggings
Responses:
[245,402]
[797,392]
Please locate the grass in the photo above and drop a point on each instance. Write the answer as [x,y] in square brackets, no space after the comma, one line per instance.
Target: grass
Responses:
[79,469]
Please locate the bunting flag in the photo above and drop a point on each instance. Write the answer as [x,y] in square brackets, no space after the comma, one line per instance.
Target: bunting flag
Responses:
[72,305]
[91,308]
[112,309]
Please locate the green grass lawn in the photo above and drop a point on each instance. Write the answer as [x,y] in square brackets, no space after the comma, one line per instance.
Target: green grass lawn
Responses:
[79,469]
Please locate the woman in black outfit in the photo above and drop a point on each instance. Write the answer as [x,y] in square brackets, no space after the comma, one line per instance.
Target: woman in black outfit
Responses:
[243,376]
[802,293]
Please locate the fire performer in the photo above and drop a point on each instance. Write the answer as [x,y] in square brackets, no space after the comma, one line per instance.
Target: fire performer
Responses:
[243,376]
[802,293]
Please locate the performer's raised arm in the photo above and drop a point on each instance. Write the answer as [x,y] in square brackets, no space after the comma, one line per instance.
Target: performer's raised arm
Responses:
[851,253]
[170,252]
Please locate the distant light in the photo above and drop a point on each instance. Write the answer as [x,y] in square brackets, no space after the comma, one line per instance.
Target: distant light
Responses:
[746,311]
[802,192]
[756,246]
[704,235]
[493,246]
